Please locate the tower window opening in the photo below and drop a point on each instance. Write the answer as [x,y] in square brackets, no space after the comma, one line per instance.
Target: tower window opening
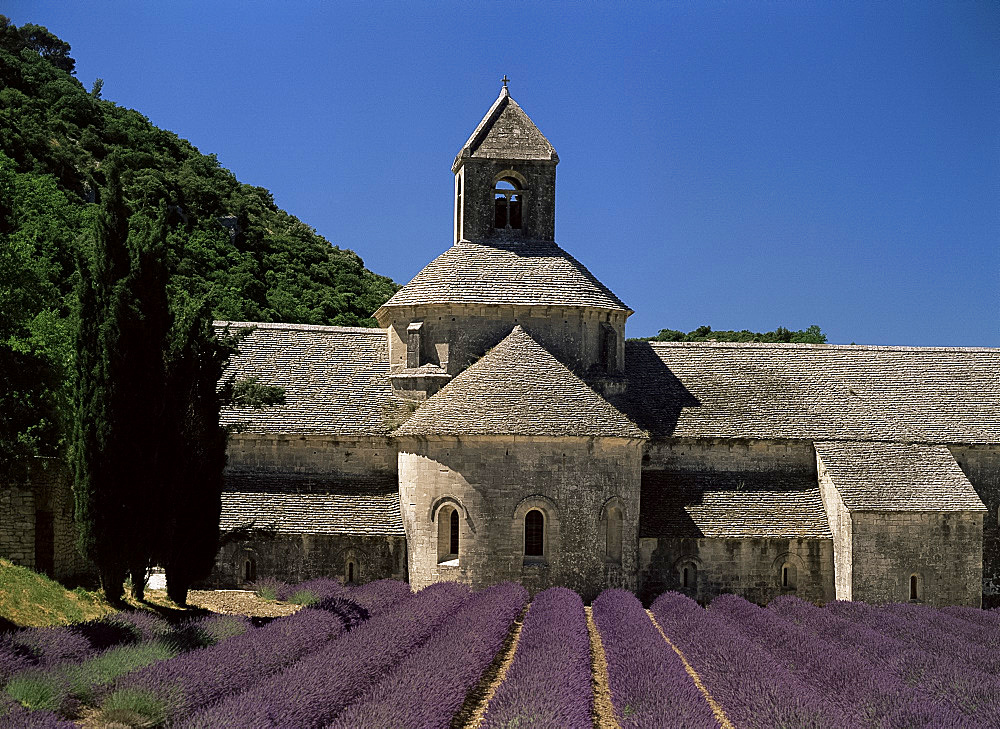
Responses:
[448,536]
[453,546]
[534,534]
[458,207]
[507,204]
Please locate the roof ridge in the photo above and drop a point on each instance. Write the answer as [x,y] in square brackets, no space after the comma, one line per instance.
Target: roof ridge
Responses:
[804,345]
[298,327]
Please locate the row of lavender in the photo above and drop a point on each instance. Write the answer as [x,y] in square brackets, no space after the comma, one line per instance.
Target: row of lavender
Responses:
[381,656]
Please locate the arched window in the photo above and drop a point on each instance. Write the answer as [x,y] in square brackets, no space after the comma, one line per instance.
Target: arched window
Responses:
[788,576]
[916,590]
[688,576]
[458,207]
[534,534]
[249,571]
[350,572]
[507,202]
[448,523]
[613,537]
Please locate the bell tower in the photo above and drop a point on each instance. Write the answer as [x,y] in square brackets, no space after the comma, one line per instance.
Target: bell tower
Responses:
[505,179]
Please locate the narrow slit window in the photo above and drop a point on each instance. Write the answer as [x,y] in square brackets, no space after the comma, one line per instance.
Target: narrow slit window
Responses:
[350,572]
[613,539]
[534,534]
[249,571]
[453,546]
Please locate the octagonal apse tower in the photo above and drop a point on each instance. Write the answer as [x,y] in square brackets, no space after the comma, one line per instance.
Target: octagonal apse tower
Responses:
[514,466]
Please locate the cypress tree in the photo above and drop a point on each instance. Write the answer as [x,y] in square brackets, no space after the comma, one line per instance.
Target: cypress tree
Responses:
[122,320]
[196,359]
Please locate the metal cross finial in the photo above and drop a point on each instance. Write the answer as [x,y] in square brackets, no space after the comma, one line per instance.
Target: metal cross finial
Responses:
[505,80]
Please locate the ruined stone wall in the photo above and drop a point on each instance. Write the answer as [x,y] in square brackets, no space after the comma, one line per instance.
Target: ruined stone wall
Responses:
[842,528]
[17,524]
[945,550]
[751,568]
[37,526]
[293,558]
[981,464]
[319,454]
[493,482]
[455,336]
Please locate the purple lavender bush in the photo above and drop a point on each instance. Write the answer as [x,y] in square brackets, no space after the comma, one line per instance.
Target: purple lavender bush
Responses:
[200,677]
[314,689]
[548,682]
[376,596]
[427,688]
[936,681]
[862,688]
[754,689]
[648,682]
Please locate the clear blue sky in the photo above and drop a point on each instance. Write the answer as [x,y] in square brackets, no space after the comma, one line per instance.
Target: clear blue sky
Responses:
[742,165]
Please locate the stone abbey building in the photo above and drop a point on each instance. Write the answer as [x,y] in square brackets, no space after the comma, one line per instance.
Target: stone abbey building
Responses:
[497,426]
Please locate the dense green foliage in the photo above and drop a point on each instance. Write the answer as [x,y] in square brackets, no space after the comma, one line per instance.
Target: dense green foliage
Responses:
[227,243]
[812,335]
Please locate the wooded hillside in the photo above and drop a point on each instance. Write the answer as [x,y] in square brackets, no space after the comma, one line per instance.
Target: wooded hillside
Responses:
[227,242]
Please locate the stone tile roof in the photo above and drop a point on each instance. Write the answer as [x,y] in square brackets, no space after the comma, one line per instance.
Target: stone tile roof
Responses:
[521,274]
[518,388]
[897,477]
[506,132]
[814,392]
[311,504]
[732,505]
[335,379]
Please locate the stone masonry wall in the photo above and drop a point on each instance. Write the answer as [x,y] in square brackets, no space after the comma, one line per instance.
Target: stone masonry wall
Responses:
[944,548]
[728,454]
[981,464]
[538,213]
[842,527]
[750,568]
[455,336]
[17,525]
[316,454]
[294,558]
[494,482]
[37,527]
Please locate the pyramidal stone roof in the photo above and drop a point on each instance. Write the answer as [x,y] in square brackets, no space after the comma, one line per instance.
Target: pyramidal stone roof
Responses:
[518,388]
[506,132]
[897,477]
[520,274]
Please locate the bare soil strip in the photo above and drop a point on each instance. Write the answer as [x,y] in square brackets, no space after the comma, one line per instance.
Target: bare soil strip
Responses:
[720,714]
[604,710]
[473,711]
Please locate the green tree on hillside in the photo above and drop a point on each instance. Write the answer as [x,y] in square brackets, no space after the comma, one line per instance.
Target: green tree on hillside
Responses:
[811,335]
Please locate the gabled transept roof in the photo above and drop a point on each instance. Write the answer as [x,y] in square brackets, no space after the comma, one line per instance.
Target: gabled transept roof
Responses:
[518,388]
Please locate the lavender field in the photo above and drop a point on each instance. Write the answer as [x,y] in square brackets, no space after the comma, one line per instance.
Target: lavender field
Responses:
[380,656]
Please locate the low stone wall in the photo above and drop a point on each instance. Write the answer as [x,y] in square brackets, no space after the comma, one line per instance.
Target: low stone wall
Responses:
[293,558]
[751,568]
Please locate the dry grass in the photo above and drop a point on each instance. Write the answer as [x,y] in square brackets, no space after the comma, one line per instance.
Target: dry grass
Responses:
[473,711]
[720,715]
[604,710]
[30,599]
